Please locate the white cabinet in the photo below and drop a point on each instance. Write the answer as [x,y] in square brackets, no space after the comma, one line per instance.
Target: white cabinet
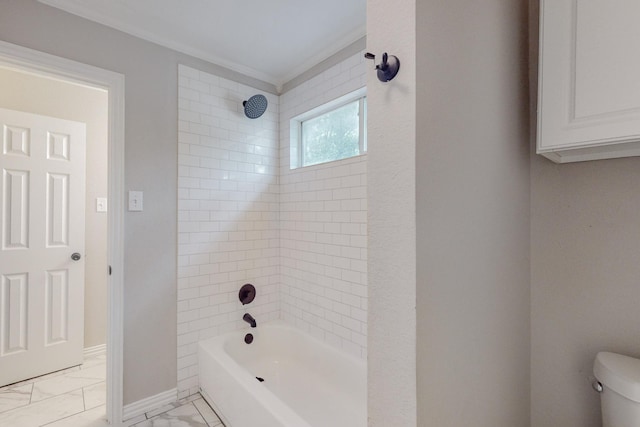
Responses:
[589,79]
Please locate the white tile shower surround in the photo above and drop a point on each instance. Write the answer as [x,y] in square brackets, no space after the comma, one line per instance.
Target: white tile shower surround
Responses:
[299,236]
[75,397]
[323,251]
[227,212]
[323,224]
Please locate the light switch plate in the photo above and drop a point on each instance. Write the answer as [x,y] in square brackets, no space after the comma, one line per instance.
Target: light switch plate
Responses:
[101,204]
[135,201]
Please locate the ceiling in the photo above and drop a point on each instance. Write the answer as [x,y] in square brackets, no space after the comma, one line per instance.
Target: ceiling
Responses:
[271,40]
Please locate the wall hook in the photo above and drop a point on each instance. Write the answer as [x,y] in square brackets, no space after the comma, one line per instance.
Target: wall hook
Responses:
[388,68]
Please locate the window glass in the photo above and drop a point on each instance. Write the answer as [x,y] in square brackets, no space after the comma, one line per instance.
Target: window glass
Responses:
[333,135]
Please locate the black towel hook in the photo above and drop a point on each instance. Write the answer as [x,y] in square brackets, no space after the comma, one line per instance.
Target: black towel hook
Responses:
[388,68]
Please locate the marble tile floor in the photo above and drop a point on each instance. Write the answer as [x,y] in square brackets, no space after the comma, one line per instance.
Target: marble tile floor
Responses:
[192,411]
[75,397]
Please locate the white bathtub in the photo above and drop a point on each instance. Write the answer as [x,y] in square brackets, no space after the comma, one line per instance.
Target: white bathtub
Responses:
[306,382]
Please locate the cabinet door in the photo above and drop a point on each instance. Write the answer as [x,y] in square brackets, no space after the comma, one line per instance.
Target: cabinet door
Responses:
[589,79]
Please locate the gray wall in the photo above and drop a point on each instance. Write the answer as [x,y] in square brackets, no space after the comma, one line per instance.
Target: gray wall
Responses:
[585,264]
[449,144]
[150,165]
[391,209]
[472,214]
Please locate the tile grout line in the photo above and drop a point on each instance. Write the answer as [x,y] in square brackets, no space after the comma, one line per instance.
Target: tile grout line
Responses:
[16,407]
[84,402]
[49,398]
[63,418]
[201,414]
[220,423]
[62,394]
[43,377]
[33,382]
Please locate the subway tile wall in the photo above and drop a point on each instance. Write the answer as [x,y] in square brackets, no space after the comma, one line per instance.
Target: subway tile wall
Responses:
[243,216]
[228,207]
[323,225]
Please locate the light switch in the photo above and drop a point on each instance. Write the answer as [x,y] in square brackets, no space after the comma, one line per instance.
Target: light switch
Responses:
[135,201]
[101,204]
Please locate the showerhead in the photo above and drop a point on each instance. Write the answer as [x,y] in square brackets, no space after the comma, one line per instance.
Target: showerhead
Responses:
[255,106]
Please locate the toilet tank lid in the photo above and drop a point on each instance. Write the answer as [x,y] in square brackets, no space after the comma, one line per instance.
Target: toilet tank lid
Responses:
[619,373]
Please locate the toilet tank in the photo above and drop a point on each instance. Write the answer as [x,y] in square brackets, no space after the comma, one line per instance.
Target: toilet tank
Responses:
[620,397]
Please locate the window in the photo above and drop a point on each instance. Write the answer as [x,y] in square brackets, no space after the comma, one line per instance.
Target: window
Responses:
[334,131]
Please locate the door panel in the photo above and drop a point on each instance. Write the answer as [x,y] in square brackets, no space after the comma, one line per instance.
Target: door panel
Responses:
[57,210]
[43,198]
[16,141]
[14,309]
[57,307]
[16,195]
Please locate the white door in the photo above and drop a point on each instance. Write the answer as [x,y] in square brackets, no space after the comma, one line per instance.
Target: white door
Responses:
[42,161]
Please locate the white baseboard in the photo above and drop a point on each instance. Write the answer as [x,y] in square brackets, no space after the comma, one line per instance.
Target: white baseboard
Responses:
[140,407]
[96,350]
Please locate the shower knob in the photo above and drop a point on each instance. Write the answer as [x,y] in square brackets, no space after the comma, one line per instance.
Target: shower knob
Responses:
[247,293]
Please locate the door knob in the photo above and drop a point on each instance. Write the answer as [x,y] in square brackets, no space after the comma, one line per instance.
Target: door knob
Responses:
[75,256]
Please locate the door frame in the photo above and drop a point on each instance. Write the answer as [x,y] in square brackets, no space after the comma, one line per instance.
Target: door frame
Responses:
[29,60]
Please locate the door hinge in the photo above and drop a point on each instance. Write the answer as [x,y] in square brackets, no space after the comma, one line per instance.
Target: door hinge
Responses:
[109,270]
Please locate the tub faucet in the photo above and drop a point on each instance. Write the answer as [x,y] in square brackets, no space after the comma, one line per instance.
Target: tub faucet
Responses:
[249,319]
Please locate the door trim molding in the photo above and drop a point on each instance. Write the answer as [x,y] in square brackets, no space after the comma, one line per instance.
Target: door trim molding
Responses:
[24,59]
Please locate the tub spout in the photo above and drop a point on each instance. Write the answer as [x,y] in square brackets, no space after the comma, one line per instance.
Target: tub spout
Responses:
[249,319]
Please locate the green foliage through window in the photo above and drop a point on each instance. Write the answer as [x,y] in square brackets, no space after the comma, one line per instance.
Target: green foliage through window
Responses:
[334,135]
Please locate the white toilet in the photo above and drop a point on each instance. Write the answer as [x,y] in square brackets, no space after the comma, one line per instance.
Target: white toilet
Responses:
[619,377]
